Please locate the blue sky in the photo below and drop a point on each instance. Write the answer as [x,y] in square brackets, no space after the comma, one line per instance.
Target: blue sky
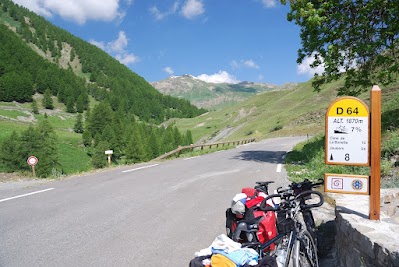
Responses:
[214,40]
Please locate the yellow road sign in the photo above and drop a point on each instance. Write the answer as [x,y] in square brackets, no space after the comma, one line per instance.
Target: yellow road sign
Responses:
[347,132]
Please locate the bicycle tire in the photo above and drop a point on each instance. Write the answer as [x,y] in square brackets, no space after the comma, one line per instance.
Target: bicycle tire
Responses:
[304,252]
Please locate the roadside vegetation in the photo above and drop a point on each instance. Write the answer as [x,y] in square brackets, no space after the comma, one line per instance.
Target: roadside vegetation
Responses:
[92,103]
[307,159]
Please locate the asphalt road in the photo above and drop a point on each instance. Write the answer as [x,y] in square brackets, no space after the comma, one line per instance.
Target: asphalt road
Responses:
[153,214]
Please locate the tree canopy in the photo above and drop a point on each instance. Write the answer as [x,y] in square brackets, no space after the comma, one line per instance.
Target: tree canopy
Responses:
[352,39]
[24,72]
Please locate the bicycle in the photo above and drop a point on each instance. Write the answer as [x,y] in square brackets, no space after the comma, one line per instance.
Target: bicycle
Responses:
[295,245]
[298,188]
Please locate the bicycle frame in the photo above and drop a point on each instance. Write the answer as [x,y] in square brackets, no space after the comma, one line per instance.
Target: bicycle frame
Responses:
[301,245]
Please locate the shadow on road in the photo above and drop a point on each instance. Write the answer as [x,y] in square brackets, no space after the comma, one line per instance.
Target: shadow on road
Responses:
[262,156]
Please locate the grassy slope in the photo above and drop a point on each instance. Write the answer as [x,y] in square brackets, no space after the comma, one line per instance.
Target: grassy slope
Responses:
[72,154]
[299,112]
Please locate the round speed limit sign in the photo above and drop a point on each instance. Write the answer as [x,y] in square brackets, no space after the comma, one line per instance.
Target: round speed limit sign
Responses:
[32,160]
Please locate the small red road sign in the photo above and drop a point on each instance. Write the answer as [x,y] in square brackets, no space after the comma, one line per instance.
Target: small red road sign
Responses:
[32,160]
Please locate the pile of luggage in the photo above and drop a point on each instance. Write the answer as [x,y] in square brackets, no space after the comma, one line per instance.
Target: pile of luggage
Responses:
[247,229]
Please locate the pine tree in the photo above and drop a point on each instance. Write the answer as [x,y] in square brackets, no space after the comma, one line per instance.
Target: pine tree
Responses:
[100,117]
[80,104]
[177,137]
[99,159]
[87,138]
[153,144]
[47,100]
[48,150]
[35,110]
[135,150]
[10,153]
[70,105]
[78,127]
[189,138]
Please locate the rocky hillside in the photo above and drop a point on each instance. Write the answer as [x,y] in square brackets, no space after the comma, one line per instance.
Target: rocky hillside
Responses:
[213,95]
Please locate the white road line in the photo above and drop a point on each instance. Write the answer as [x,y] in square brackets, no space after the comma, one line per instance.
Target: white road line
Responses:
[144,167]
[278,169]
[25,195]
[191,158]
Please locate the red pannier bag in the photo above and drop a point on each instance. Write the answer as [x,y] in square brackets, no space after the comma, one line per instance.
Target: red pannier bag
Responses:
[266,225]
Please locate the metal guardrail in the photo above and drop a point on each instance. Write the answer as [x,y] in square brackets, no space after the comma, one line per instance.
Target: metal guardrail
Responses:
[180,148]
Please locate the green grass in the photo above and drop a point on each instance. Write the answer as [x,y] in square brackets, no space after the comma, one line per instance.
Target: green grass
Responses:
[62,122]
[307,159]
[298,111]
[72,154]
[10,21]
[14,114]
[7,127]
[73,159]
[6,104]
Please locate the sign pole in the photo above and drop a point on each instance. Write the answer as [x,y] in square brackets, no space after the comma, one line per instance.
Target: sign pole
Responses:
[375,153]
[32,161]
[109,153]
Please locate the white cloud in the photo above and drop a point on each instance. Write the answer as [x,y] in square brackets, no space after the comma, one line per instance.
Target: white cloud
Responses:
[119,44]
[98,44]
[305,69]
[192,9]
[117,48]
[249,63]
[79,11]
[220,77]
[156,13]
[126,58]
[269,3]
[161,15]
[234,64]
[168,70]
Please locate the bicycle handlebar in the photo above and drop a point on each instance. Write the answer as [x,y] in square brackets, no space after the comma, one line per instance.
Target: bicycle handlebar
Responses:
[263,206]
[311,192]
[305,185]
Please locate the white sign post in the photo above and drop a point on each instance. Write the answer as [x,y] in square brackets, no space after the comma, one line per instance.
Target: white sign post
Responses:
[347,132]
[109,153]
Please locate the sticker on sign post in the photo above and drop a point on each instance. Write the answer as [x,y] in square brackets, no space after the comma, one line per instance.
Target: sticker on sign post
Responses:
[347,132]
[346,184]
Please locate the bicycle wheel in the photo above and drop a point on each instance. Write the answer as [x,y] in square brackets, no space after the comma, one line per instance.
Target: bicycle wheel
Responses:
[304,252]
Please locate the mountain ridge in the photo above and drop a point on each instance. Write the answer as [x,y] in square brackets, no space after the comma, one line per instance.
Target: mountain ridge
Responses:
[63,54]
[211,95]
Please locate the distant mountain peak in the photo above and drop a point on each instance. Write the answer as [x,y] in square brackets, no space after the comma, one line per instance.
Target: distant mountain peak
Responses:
[211,95]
